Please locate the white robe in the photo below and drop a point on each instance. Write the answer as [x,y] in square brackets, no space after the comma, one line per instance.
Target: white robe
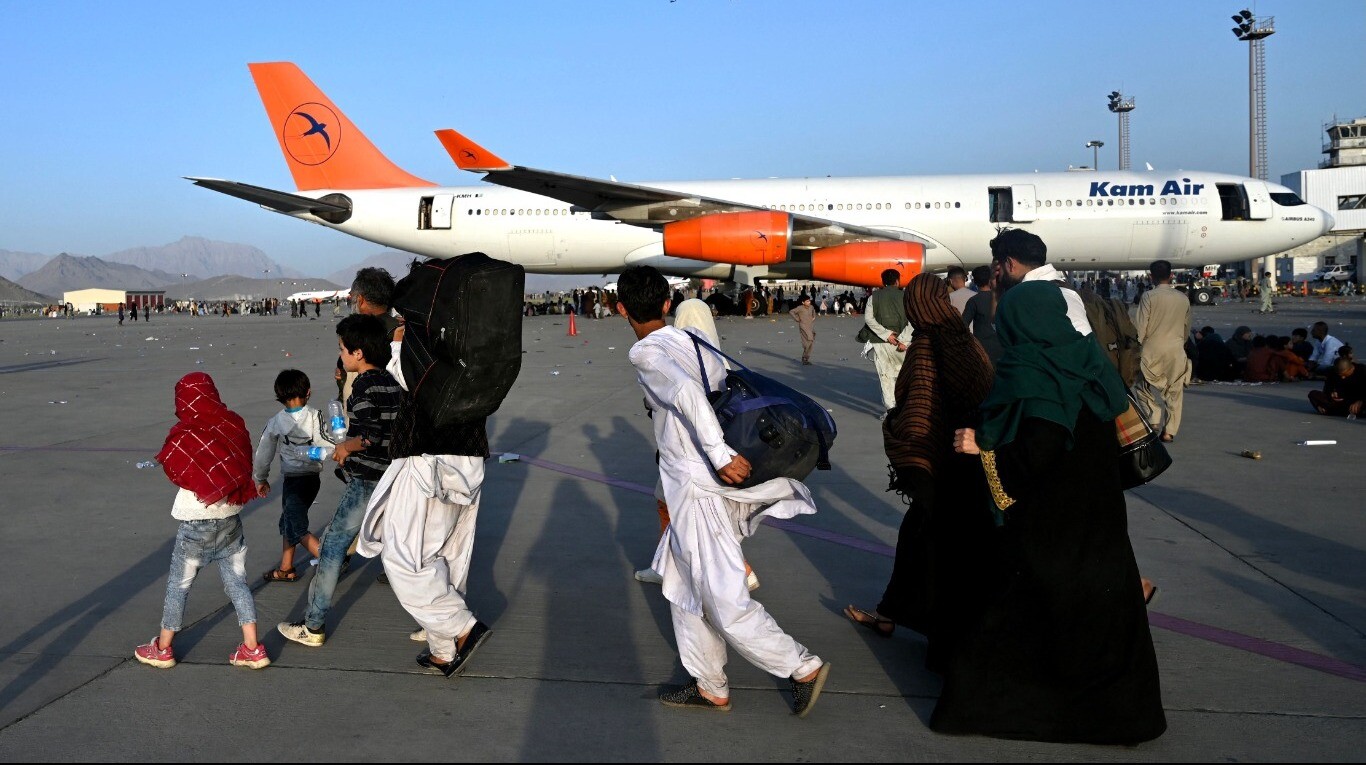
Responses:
[699,556]
[420,522]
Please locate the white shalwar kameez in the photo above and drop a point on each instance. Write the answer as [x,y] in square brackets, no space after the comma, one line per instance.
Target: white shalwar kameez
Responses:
[420,523]
[699,556]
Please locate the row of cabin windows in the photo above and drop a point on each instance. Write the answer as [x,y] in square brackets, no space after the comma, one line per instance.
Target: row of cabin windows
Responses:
[523,211]
[887,206]
[1121,202]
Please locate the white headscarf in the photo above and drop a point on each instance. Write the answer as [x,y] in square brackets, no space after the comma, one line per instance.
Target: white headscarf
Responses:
[695,314]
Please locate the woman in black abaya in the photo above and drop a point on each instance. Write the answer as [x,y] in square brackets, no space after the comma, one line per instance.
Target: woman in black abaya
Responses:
[1063,653]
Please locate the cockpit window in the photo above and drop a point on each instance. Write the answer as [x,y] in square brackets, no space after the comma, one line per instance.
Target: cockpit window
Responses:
[1287,199]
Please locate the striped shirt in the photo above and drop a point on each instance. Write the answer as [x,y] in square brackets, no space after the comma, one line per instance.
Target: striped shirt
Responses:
[374,402]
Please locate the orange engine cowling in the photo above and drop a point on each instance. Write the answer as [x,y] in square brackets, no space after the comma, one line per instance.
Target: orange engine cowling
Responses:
[748,239]
[862,263]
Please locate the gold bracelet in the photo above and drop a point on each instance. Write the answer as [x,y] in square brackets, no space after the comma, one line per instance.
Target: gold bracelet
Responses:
[998,493]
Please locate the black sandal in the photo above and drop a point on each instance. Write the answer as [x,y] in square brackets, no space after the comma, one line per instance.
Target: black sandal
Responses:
[282,575]
[870,621]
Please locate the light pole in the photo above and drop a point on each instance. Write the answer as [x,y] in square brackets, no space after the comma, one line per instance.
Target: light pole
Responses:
[265,302]
[1094,146]
[1122,105]
[1253,31]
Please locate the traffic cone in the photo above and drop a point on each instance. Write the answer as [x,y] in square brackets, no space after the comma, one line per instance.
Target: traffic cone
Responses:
[573,328]
[1304,288]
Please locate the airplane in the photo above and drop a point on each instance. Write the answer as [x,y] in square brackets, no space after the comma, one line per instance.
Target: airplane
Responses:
[842,230]
[323,295]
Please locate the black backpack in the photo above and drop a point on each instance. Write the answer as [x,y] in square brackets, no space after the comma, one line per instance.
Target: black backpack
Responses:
[783,433]
[462,342]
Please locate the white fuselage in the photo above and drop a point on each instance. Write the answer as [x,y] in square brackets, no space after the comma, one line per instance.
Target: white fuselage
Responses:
[1088,220]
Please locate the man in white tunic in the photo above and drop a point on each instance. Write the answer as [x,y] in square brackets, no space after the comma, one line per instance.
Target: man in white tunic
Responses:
[699,556]
[420,523]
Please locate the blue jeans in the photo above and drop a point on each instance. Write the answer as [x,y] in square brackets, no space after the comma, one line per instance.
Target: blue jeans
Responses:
[197,544]
[337,539]
[296,497]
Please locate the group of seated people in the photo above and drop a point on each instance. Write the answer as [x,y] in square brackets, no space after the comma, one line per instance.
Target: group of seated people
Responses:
[1304,355]
[1263,358]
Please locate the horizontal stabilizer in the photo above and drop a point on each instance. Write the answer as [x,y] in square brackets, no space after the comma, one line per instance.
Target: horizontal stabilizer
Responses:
[275,200]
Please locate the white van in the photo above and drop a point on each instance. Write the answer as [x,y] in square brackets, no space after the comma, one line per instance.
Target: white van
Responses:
[1334,274]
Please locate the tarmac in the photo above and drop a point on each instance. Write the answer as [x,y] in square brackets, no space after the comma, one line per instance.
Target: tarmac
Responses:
[1259,625]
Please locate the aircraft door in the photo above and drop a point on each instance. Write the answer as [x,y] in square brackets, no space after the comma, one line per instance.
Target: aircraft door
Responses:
[1258,200]
[434,212]
[1026,204]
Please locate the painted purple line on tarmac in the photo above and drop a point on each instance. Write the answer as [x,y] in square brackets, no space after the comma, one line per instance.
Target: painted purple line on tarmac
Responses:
[587,475]
[73,449]
[1277,651]
[1227,638]
[788,526]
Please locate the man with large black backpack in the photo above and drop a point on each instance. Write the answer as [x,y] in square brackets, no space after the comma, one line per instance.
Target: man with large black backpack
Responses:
[456,356]
[699,556]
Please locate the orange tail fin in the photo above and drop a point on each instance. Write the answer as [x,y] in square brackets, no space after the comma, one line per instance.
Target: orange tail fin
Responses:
[323,149]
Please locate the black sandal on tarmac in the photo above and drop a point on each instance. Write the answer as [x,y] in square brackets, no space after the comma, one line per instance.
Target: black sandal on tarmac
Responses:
[690,697]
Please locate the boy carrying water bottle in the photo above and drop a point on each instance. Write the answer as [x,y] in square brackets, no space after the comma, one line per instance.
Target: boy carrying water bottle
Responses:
[208,455]
[297,425]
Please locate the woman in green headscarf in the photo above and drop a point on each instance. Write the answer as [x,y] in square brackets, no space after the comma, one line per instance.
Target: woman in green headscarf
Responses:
[1063,653]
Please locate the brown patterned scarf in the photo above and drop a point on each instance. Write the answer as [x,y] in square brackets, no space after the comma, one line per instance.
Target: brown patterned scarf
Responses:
[943,381]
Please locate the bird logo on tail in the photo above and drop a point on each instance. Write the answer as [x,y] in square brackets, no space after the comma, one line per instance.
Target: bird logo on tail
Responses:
[311,133]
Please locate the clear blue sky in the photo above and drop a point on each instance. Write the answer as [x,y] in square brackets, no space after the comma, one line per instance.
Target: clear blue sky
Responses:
[107,105]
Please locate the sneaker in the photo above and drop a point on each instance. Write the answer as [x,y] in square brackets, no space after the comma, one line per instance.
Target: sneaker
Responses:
[805,694]
[690,697]
[246,657]
[418,635]
[152,653]
[649,576]
[300,633]
[752,581]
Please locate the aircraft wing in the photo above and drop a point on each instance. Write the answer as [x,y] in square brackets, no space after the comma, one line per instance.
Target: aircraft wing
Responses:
[275,200]
[645,205]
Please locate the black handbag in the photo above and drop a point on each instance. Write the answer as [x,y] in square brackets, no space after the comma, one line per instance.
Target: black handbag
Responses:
[1142,457]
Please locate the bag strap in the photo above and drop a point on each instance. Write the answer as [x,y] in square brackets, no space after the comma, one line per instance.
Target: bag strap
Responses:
[697,341]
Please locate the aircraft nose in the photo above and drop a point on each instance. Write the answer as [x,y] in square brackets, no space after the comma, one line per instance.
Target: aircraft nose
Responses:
[1328,222]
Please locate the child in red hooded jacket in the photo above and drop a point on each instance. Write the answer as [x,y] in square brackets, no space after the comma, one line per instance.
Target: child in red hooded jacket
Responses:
[208,455]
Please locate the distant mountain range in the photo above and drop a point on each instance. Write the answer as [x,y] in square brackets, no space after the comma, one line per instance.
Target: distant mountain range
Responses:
[70,272]
[11,293]
[180,265]
[201,258]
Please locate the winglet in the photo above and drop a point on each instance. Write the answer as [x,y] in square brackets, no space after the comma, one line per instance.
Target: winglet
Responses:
[469,155]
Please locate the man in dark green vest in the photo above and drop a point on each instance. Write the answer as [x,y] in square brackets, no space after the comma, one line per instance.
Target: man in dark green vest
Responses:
[885,321]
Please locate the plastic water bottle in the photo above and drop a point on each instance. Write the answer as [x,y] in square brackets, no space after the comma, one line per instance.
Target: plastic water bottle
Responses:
[306,453]
[148,464]
[336,421]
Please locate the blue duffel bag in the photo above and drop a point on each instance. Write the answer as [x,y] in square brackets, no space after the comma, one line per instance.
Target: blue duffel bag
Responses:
[783,433]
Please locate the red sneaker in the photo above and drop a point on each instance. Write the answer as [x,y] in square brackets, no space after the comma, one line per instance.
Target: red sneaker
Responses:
[152,653]
[246,657]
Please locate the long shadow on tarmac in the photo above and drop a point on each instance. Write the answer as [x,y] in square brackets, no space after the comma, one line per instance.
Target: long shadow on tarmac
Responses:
[1298,405]
[74,621]
[588,602]
[815,386]
[1256,530]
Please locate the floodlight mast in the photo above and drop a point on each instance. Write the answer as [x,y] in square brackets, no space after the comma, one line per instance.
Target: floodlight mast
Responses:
[1122,105]
[1254,31]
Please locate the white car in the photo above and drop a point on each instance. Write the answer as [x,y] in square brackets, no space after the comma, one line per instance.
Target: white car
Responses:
[1334,274]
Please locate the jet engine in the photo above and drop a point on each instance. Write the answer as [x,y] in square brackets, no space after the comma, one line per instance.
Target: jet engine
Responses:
[862,263]
[757,238]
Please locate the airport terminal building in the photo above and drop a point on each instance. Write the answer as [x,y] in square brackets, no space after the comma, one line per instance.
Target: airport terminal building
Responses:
[1338,185]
